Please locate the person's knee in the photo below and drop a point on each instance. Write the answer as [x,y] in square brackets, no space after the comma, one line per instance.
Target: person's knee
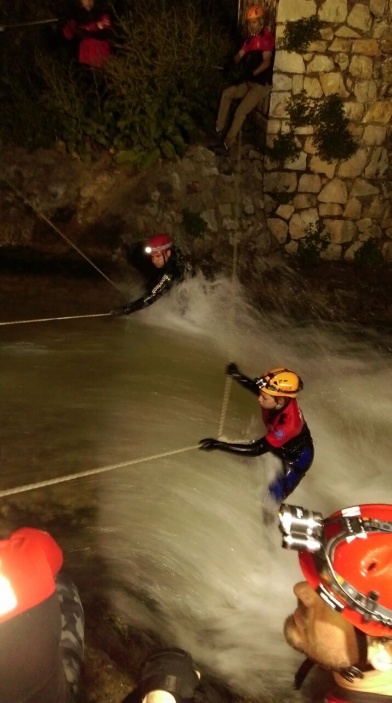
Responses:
[277,490]
[229,93]
[245,108]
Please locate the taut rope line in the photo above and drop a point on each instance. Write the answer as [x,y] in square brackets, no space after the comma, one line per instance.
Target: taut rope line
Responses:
[90,472]
[228,379]
[56,229]
[51,319]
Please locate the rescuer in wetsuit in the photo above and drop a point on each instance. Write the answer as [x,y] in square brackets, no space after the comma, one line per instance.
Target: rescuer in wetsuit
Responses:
[287,437]
[170,269]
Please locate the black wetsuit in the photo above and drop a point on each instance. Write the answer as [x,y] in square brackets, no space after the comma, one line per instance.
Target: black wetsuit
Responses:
[161,282]
[288,437]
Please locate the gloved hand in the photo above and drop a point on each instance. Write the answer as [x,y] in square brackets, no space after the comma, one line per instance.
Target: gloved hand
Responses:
[232,369]
[125,309]
[209,443]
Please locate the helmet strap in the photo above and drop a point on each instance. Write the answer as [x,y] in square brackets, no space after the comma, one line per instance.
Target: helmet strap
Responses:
[349,673]
[356,672]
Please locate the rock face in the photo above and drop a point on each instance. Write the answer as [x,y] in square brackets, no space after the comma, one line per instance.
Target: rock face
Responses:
[353,60]
[205,201]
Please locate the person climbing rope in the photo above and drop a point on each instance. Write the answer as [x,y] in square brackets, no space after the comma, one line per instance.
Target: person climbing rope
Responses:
[170,269]
[288,436]
[257,53]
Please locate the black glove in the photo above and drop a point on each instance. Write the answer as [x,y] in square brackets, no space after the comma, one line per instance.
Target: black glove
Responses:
[209,443]
[125,309]
[117,311]
[232,369]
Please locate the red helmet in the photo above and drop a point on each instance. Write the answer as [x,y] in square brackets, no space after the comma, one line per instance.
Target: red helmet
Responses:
[351,567]
[158,243]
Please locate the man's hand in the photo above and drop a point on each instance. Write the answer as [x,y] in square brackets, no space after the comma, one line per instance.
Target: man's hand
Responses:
[232,369]
[124,310]
[209,443]
[116,312]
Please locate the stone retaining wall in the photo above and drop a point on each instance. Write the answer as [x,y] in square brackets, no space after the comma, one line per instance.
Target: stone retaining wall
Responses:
[352,199]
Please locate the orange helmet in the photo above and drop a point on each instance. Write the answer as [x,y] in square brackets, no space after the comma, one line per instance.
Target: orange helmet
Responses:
[158,243]
[347,559]
[254,12]
[280,382]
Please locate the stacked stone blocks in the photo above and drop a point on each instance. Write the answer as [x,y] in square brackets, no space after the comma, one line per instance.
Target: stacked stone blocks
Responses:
[351,199]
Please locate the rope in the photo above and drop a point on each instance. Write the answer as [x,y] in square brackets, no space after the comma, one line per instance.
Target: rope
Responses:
[228,379]
[90,472]
[50,319]
[56,229]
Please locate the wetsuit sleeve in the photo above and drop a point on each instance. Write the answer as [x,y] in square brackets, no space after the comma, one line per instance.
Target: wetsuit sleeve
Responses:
[163,286]
[233,371]
[256,448]
[247,383]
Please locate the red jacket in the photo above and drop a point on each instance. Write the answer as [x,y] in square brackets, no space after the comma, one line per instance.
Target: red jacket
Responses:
[94,45]
[284,424]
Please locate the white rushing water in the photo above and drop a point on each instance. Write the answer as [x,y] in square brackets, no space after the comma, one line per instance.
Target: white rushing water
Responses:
[182,536]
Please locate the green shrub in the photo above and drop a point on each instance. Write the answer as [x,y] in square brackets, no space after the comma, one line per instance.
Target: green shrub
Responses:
[299,34]
[193,224]
[312,244]
[284,148]
[331,135]
[156,92]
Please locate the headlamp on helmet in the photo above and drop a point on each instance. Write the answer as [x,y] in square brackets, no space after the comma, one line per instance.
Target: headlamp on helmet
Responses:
[301,529]
[158,243]
[280,382]
[347,559]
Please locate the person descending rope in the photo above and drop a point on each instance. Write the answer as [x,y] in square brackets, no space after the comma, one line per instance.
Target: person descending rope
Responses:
[287,437]
[257,53]
[170,268]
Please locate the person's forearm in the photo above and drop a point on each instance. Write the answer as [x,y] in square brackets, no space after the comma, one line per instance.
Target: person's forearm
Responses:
[263,67]
[256,448]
